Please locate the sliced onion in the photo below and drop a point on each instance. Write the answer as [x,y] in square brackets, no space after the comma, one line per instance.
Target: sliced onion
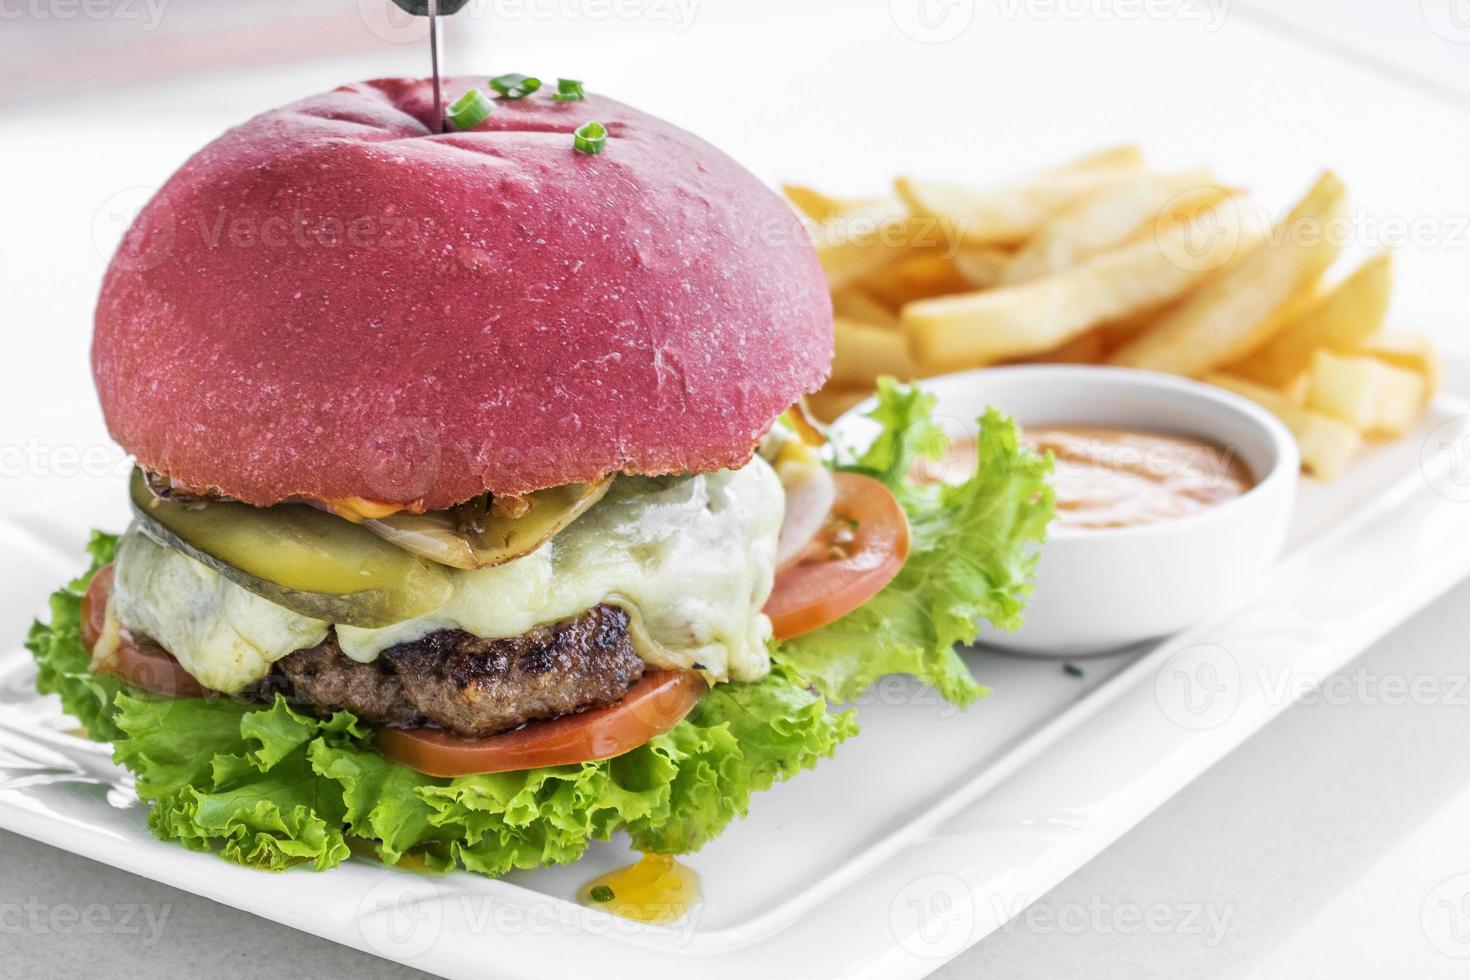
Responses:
[438,537]
[810,493]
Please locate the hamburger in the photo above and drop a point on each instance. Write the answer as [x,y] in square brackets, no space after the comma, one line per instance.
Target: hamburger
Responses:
[475,517]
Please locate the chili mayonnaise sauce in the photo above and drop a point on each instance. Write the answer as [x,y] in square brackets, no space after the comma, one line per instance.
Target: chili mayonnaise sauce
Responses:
[1113,478]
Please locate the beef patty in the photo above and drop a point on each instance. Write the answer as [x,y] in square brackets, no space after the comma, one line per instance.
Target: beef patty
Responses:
[467,685]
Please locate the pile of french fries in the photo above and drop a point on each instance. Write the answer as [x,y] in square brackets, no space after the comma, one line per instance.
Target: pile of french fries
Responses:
[1104,261]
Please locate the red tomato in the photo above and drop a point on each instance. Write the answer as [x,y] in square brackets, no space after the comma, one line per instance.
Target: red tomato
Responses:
[145,666]
[655,704]
[860,550]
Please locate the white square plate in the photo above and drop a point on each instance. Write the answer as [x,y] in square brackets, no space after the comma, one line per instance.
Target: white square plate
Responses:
[922,836]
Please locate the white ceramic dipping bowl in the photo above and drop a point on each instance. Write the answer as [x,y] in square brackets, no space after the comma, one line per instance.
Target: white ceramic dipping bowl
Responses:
[1101,589]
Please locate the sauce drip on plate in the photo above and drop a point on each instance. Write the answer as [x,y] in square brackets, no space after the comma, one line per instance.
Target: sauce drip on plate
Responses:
[656,890]
[1112,478]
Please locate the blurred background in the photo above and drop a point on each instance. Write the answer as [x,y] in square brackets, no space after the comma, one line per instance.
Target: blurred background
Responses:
[100,100]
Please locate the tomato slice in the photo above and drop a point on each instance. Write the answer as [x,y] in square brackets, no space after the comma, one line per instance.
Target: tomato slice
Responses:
[655,704]
[146,666]
[860,550]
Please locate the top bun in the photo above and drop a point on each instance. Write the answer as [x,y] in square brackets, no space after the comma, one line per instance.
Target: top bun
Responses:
[334,300]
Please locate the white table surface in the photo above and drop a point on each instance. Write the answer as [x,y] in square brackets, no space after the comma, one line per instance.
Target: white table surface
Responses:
[1317,847]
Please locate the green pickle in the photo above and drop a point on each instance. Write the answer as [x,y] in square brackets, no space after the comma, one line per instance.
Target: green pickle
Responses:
[304,559]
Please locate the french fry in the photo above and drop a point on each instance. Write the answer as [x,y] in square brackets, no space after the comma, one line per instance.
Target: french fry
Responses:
[856,304]
[822,207]
[920,276]
[1088,348]
[1327,445]
[981,268]
[856,244]
[1409,351]
[1005,214]
[1124,157]
[1238,310]
[1338,319]
[862,351]
[1105,221]
[973,329]
[832,401]
[1373,397]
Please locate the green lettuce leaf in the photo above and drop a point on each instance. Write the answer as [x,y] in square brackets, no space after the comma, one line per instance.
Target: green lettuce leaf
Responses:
[63,664]
[973,553]
[270,787]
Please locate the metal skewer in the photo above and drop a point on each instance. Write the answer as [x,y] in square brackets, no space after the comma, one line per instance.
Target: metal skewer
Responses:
[432,9]
[434,63]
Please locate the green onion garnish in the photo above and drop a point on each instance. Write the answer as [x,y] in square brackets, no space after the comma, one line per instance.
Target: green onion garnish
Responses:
[1071,670]
[569,90]
[470,109]
[590,138]
[601,893]
[515,86]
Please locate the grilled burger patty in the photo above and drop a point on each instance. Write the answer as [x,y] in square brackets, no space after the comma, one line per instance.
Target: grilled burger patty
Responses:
[467,685]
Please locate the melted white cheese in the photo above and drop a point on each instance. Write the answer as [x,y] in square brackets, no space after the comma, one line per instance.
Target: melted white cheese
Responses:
[691,560]
[226,637]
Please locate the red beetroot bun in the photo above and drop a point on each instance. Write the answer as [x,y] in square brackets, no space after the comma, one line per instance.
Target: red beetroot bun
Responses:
[333,301]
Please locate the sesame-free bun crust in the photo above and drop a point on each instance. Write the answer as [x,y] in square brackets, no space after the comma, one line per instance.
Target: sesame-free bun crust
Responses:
[333,301]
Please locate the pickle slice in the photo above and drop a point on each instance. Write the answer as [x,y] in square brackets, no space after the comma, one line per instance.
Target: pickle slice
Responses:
[298,557]
[438,536]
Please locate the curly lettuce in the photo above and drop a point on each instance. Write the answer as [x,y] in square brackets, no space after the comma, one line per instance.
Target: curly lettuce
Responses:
[973,553]
[271,787]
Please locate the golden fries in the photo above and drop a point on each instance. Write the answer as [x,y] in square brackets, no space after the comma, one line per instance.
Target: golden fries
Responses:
[973,329]
[1339,319]
[1102,261]
[1006,214]
[832,401]
[1105,221]
[855,244]
[863,351]
[981,268]
[1238,311]
[1327,445]
[919,276]
[1410,351]
[855,303]
[1373,397]
[1123,157]
[822,207]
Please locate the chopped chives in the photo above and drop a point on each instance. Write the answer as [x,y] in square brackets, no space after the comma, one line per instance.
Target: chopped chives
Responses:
[470,109]
[601,893]
[515,85]
[569,90]
[1072,670]
[590,138]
